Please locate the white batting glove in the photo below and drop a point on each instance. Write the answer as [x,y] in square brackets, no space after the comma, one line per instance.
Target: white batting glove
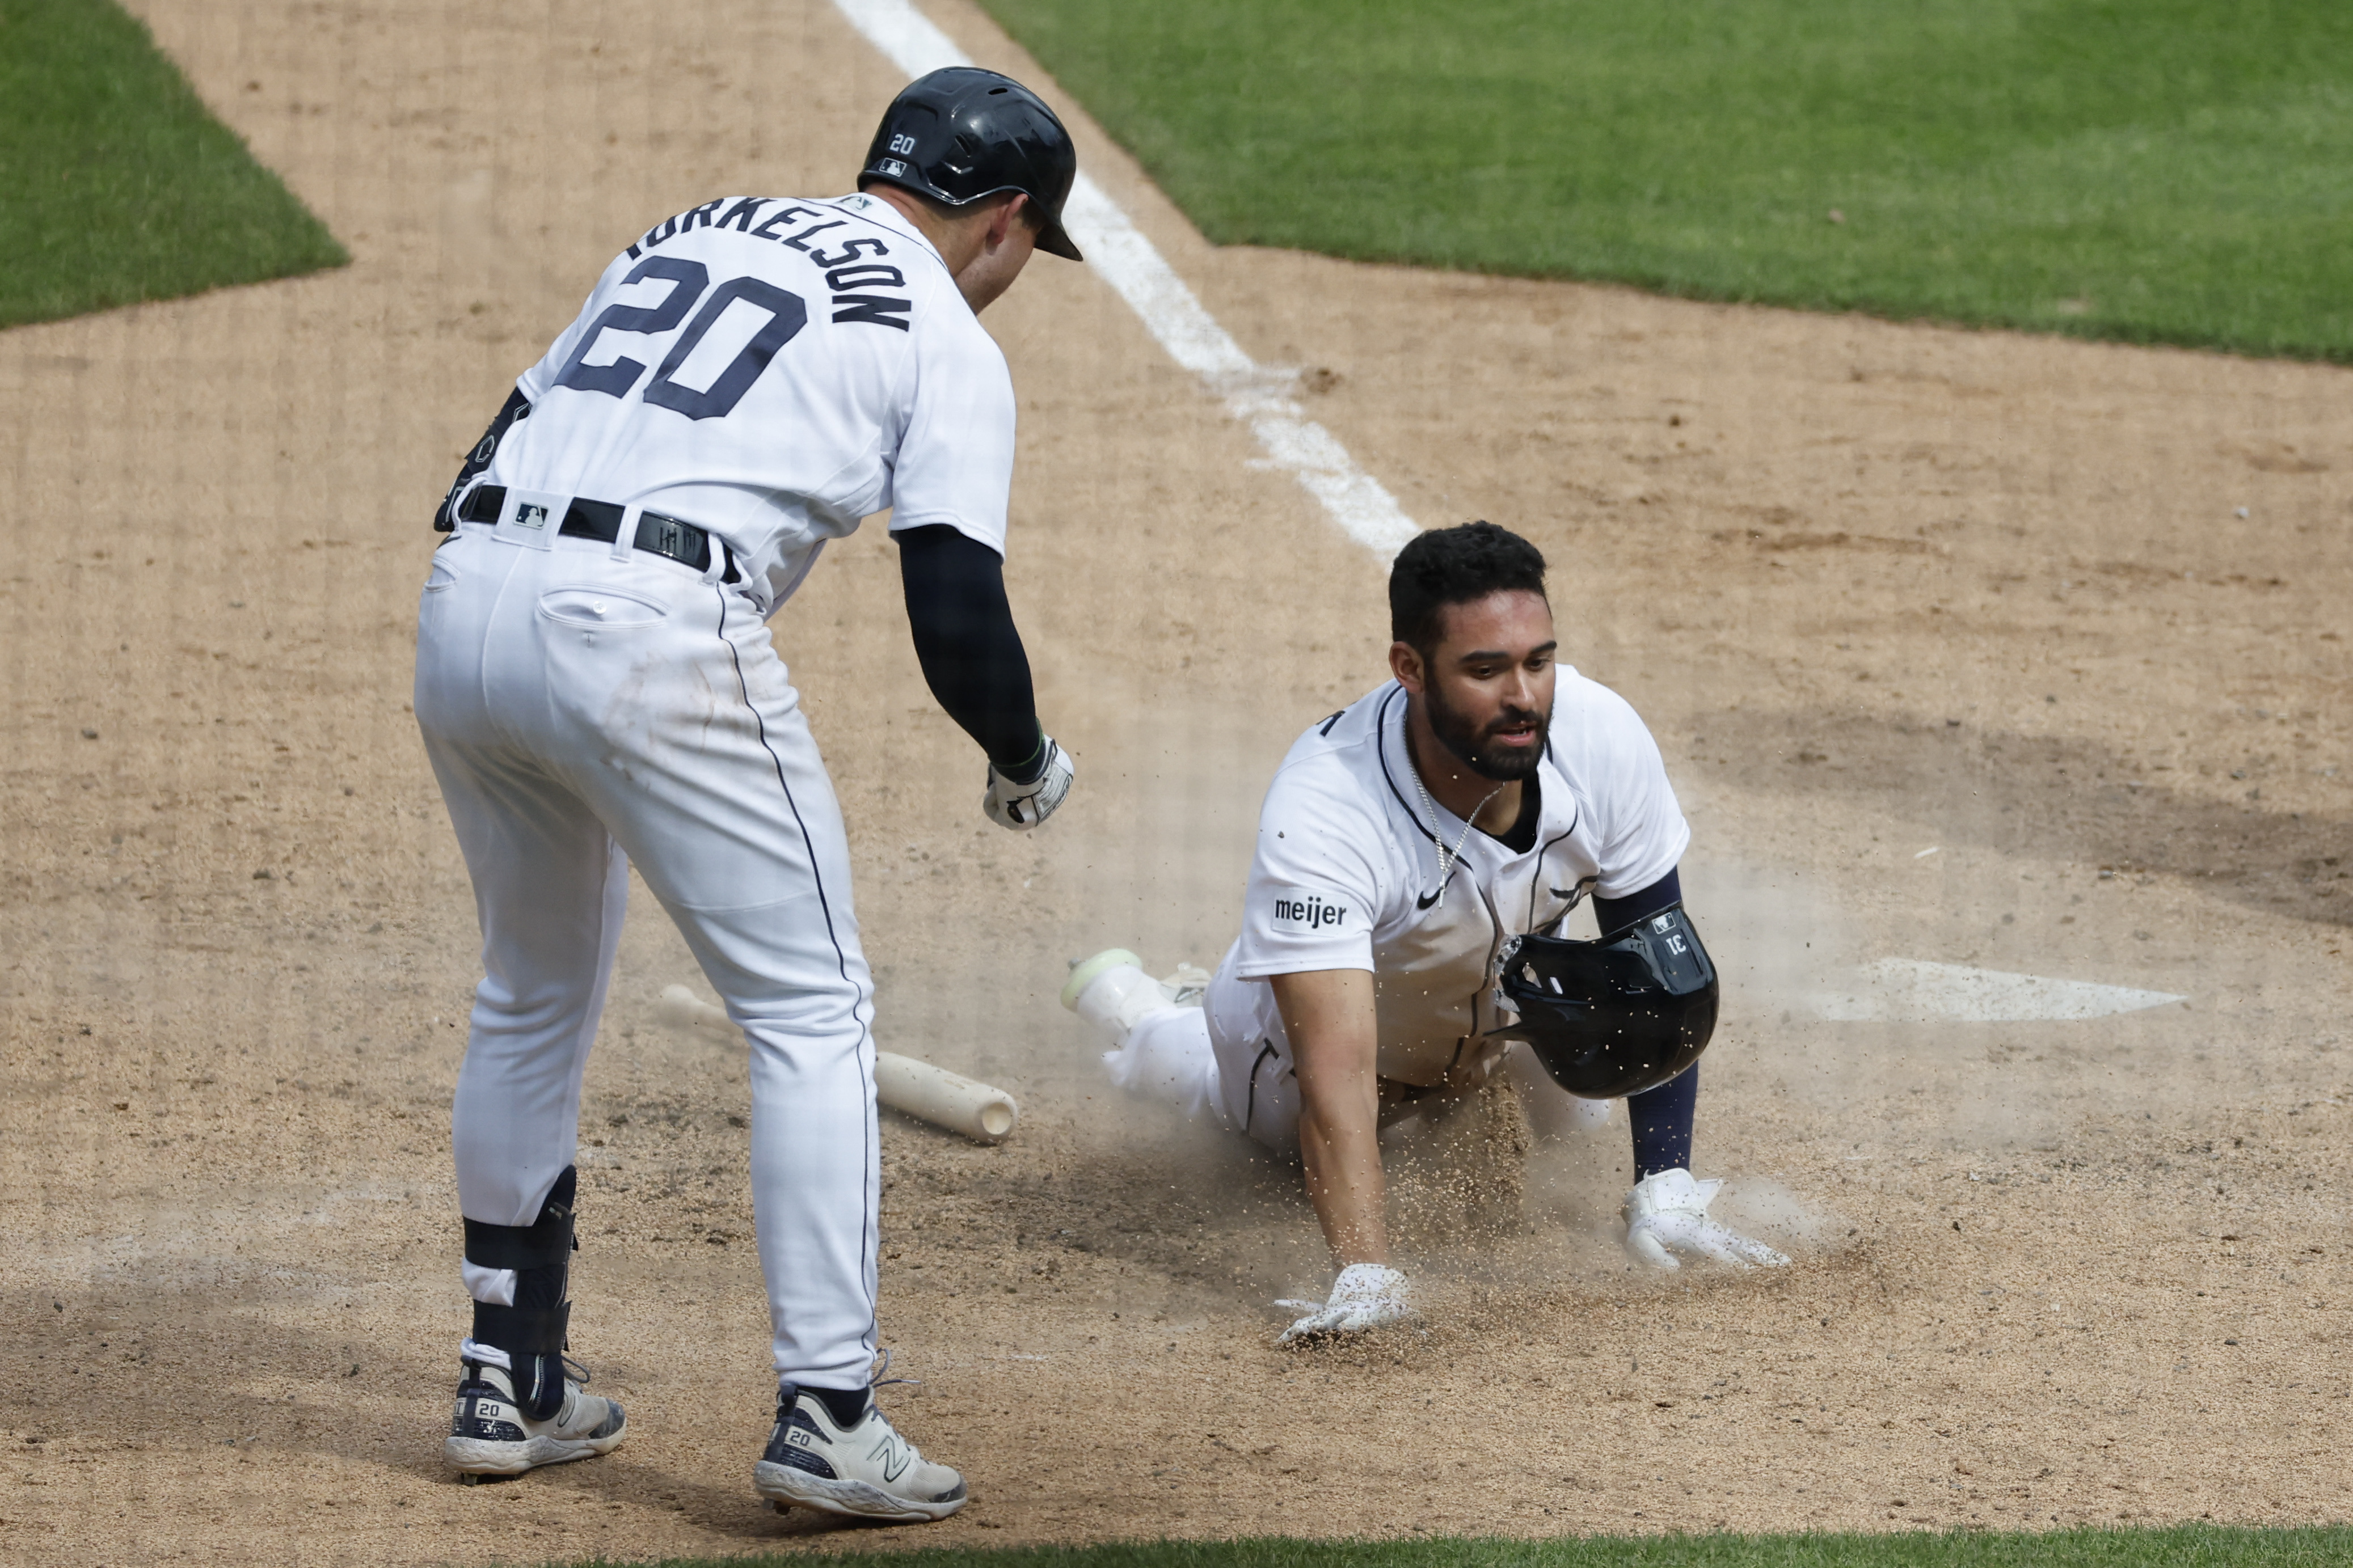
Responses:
[1022,806]
[1667,1213]
[1365,1296]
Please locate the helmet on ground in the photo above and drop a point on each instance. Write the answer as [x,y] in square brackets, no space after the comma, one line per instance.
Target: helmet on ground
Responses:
[962,133]
[1616,1016]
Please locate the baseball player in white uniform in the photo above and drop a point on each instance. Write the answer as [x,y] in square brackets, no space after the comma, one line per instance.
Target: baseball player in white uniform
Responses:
[597,688]
[1478,797]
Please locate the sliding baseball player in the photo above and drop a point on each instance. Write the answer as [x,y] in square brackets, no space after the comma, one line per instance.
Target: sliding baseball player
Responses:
[1417,853]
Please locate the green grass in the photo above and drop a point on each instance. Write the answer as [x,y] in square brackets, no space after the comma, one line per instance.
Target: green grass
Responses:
[2198,1546]
[2173,171]
[116,184]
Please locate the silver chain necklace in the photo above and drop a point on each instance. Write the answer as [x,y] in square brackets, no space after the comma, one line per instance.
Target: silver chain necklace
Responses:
[1446,858]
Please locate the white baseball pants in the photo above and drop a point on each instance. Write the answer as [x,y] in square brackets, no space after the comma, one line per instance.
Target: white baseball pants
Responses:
[1222,1059]
[587,706]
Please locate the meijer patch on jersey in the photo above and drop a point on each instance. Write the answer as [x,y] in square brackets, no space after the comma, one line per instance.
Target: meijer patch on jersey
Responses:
[1311,912]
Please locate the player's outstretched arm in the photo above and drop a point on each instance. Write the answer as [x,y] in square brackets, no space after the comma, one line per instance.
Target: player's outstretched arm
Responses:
[1666,1212]
[979,672]
[1328,1015]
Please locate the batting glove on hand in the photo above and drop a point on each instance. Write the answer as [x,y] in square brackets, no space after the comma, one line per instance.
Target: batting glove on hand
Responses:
[1365,1296]
[1022,806]
[1667,1213]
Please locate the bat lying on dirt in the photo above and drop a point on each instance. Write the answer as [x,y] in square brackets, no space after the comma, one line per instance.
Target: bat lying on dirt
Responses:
[918,1089]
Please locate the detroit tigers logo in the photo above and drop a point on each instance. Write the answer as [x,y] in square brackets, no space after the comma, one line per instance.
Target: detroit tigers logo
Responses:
[1311,912]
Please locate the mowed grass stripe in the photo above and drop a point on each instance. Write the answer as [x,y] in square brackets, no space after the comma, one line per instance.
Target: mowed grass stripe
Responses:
[116,184]
[2169,171]
[2193,1546]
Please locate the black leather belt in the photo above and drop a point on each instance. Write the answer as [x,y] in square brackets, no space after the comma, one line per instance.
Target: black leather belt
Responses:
[667,537]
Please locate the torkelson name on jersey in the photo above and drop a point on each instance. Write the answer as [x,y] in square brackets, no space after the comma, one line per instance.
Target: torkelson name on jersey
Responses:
[846,271]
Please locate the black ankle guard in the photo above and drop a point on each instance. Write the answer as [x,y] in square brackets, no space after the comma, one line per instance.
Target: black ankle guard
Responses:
[545,1243]
[540,1253]
[522,1330]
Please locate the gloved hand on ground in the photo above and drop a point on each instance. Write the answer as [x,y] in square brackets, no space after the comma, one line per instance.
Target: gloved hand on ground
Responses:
[1365,1296]
[1666,1213]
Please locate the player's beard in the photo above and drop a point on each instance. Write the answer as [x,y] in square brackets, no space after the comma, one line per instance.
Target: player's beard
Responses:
[1474,748]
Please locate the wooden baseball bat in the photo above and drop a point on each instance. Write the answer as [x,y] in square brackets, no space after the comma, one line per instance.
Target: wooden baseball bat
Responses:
[905,1084]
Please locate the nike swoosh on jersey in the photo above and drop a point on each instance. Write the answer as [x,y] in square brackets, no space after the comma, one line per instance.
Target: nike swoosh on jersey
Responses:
[1426,899]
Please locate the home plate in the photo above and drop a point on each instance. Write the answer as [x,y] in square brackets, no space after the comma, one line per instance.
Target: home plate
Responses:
[1911,989]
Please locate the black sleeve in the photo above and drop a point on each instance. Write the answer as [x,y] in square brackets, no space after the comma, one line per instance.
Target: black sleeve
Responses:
[1661,1118]
[966,642]
[1615,915]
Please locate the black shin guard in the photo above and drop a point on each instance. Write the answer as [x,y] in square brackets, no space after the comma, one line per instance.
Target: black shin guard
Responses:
[531,1331]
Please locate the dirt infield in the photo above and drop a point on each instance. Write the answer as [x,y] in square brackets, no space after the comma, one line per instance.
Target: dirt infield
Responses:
[2060,612]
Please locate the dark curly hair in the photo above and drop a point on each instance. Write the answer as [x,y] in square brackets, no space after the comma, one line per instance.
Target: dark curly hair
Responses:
[1456,566]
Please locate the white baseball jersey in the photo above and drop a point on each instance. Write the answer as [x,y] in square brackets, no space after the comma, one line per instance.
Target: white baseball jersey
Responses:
[773,370]
[1347,876]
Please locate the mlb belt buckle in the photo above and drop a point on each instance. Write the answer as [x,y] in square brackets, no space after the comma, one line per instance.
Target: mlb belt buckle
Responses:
[532,518]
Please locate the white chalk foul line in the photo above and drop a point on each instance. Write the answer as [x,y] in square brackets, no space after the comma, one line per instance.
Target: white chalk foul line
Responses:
[1136,271]
[1913,990]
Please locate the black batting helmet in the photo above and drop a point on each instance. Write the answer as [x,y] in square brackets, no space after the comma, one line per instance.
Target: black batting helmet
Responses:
[962,133]
[1616,1016]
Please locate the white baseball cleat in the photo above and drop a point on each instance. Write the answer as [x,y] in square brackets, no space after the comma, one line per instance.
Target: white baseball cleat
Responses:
[1110,991]
[491,1435]
[1187,987]
[1666,1213]
[865,1470]
[1085,971]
